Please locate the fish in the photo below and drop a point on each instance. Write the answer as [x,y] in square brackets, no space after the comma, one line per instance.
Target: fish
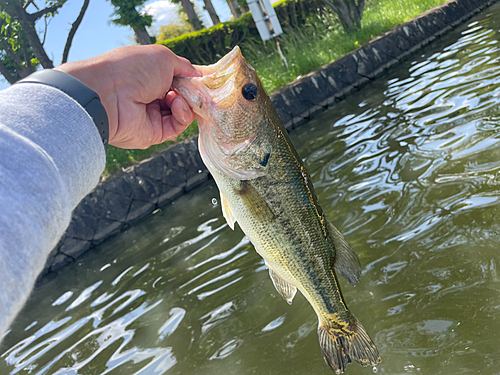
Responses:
[265,188]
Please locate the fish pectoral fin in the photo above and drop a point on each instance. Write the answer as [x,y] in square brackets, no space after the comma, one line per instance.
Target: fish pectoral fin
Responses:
[227,211]
[346,261]
[255,203]
[283,287]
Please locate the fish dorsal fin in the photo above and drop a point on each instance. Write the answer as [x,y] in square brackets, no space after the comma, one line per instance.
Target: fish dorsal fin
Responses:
[283,287]
[346,261]
[227,211]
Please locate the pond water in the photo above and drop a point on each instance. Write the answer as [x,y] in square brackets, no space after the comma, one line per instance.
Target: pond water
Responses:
[408,169]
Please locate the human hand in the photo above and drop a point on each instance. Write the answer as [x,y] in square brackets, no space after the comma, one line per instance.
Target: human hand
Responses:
[134,86]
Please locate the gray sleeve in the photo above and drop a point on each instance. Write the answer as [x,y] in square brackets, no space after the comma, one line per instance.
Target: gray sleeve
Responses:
[51,156]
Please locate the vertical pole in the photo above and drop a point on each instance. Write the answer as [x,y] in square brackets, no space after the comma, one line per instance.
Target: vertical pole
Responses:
[283,58]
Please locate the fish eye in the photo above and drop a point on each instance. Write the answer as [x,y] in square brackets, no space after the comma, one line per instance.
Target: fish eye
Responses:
[249,91]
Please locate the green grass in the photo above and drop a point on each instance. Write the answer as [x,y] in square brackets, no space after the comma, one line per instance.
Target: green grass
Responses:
[320,41]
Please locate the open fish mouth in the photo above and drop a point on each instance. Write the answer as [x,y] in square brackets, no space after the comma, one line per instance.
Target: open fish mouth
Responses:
[217,87]
[223,67]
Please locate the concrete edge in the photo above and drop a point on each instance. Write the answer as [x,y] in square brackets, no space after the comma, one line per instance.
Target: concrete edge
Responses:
[133,194]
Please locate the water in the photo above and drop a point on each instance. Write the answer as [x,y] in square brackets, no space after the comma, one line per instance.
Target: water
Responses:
[408,169]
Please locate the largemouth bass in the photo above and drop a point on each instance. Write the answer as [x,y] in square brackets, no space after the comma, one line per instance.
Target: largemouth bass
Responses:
[265,187]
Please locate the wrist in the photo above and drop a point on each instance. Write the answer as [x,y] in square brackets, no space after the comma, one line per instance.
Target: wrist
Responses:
[79,92]
[98,76]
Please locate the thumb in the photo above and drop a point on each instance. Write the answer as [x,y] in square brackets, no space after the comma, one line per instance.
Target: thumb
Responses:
[183,68]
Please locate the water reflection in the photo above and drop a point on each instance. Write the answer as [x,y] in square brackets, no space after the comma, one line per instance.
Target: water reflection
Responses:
[408,169]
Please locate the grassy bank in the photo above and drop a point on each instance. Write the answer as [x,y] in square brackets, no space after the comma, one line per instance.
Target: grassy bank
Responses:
[320,41]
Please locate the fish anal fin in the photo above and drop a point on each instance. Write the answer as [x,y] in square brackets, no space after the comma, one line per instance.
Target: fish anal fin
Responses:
[345,261]
[227,211]
[283,287]
[341,345]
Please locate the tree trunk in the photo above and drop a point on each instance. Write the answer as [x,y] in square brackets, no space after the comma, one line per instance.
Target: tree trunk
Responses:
[350,13]
[235,8]
[29,28]
[142,35]
[211,11]
[193,19]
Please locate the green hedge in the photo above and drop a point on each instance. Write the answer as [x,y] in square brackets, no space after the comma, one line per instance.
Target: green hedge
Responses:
[208,45]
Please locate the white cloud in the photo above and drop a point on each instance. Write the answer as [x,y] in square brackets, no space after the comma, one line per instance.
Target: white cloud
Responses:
[163,11]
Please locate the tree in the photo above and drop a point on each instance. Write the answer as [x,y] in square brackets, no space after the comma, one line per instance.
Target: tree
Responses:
[211,11]
[16,9]
[350,12]
[235,8]
[21,49]
[188,8]
[128,15]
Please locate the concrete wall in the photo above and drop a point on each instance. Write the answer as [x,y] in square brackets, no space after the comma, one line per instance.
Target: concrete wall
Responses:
[128,196]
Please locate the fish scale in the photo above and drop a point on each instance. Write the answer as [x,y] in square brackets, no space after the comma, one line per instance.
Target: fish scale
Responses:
[266,189]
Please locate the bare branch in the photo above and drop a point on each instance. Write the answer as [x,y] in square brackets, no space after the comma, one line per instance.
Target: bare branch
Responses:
[72,32]
[29,3]
[33,17]
[45,30]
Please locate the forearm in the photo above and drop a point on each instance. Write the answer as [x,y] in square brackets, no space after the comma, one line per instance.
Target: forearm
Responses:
[51,156]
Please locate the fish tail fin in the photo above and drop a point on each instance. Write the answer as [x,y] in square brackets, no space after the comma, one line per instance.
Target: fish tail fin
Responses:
[341,345]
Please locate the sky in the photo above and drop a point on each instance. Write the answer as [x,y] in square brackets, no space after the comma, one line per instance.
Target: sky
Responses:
[97,35]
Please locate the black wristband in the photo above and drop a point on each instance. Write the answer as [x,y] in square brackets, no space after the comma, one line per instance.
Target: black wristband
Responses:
[77,90]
